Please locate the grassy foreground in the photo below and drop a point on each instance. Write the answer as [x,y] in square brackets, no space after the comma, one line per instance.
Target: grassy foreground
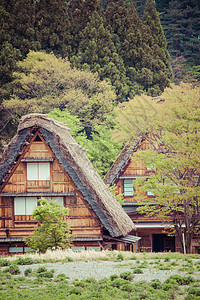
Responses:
[42,283]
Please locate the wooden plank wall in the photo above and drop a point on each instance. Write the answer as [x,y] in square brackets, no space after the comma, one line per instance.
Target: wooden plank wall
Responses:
[134,168]
[81,219]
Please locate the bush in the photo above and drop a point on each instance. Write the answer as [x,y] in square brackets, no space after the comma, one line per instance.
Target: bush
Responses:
[126,275]
[194,291]
[156,284]
[28,272]
[120,257]
[137,271]
[175,279]
[13,269]
[24,261]
[43,272]
[77,290]
[4,263]
[113,277]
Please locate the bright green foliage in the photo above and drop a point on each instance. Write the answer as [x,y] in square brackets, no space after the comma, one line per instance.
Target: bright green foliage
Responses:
[101,149]
[45,82]
[175,163]
[97,52]
[118,197]
[53,231]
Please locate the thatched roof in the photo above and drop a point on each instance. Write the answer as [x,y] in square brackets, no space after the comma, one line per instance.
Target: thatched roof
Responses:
[75,162]
[123,159]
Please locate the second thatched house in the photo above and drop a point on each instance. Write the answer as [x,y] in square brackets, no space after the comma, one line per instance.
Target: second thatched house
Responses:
[43,160]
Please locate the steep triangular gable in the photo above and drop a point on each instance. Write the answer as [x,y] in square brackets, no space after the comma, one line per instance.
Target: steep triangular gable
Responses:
[60,183]
[75,163]
[123,161]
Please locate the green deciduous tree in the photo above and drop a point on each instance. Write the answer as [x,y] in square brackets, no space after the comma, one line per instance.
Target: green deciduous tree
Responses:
[53,231]
[44,82]
[101,149]
[173,124]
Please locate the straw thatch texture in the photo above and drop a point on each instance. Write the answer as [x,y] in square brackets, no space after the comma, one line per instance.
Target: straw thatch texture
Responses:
[75,162]
[122,160]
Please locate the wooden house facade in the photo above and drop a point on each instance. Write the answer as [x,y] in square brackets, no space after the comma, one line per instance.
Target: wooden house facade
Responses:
[43,160]
[123,173]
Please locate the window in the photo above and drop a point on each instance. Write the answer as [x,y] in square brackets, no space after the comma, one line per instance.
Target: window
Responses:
[58,200]
[128,187]
[38,171]
[24,205]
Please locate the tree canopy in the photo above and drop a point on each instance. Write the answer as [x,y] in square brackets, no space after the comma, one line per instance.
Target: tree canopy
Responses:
[101,149]
[173,124]
[44,82]
[53,231]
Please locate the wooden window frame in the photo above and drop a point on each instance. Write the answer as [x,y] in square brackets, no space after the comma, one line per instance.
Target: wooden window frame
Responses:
[128,191]
[38,176]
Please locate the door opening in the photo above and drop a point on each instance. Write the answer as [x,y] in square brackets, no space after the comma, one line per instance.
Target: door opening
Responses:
[162,242]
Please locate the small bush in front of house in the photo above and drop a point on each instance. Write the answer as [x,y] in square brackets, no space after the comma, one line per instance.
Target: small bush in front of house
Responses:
[4,263]
[113,277]
[126,275]
[76,290]
[193,294]
[43,272]
[119,257]
[13,270]
[24,261]
[180,280]
[28,272]
[137,271]
[156,284]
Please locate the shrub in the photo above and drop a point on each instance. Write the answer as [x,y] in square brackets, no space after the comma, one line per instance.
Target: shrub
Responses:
[61,277]
[126,275]
[175,279]
[194,291]
[137,271]
[4,263]
[167,259]
[43,272]
[28,272]
[77,290]
[134,257]
[67,258]
[24,261]
[113,277]
[41,269]
[117,282]
[13,269]
[188,280]
[120,257]
[156,284]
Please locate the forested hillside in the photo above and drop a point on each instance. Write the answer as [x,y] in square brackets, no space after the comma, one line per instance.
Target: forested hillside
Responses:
[83,57]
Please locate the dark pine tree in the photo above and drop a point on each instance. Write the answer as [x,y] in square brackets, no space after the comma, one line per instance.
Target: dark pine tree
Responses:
[98,53]
[158,44]
[8,54]
[21,27]
[182,27]
[79,13]
[53,26]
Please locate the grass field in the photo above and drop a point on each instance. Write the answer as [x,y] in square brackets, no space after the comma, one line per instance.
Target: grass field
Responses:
[36,281]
